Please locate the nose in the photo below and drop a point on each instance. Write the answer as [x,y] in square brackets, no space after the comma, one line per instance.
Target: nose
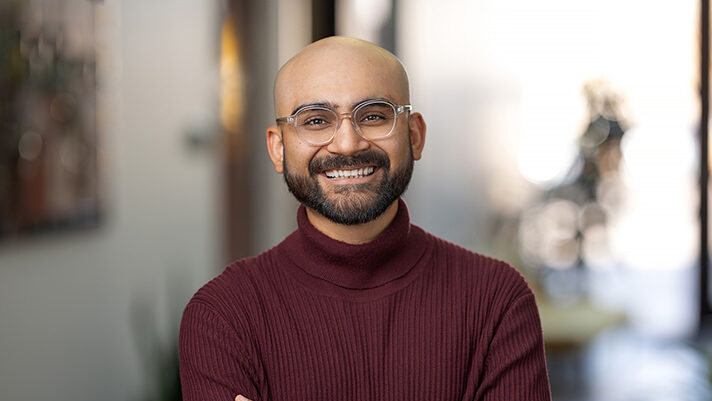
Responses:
[347,140]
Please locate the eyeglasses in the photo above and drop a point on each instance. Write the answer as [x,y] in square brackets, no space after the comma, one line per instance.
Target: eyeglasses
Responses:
[372,119]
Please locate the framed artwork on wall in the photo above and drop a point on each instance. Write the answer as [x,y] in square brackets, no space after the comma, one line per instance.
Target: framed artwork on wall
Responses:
[48,139]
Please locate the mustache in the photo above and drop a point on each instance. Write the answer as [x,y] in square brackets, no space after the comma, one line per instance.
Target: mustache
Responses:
[338,161]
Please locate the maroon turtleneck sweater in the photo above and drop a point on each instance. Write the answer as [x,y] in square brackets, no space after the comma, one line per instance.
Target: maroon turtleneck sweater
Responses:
[407,316]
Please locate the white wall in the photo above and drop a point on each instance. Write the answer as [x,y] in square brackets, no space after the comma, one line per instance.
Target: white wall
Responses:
[66,299]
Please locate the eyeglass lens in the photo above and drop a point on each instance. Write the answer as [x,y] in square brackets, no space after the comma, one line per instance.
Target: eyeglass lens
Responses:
[374,120]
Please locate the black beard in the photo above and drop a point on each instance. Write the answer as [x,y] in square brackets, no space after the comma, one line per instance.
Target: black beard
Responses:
[352,204]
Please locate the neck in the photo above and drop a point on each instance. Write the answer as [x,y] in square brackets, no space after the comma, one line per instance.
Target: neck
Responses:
[356,271]
[353,234]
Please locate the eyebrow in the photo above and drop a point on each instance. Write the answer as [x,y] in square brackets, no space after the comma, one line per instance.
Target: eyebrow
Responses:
[334,106]
[318,103]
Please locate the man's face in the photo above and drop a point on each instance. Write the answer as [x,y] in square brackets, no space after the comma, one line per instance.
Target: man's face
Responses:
[355,202]
[350,180]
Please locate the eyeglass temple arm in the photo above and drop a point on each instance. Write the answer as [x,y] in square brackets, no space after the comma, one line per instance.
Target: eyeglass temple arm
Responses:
[288,120]
[401,109]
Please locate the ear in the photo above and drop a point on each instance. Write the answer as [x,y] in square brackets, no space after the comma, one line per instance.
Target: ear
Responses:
[275,147]
[416,127]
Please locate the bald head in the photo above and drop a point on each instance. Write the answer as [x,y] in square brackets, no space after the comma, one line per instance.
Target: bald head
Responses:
[336,65]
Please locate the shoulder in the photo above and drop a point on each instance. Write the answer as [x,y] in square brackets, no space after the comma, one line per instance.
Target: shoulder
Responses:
[486,276]
[237,289]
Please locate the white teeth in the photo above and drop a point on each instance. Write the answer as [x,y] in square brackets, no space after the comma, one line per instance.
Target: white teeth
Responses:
[349,173]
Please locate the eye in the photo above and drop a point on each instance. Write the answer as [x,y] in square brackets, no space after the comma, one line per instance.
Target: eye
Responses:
[375,114]
[316,121]
[373,117]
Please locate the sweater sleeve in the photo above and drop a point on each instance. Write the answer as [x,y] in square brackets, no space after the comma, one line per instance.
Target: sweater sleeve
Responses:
[515,367]
[213,359]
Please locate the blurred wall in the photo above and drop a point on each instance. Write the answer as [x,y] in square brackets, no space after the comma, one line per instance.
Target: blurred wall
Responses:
[470,110]
[276,30]
[66,298]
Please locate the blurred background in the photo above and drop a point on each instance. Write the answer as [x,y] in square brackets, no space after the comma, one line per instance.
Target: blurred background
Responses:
[564,137]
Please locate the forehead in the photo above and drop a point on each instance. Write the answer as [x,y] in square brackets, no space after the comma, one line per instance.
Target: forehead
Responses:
[341,77]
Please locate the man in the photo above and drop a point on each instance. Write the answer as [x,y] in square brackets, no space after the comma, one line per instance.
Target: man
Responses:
[357,303]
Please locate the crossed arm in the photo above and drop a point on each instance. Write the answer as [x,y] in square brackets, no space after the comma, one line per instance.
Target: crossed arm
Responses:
[514,368]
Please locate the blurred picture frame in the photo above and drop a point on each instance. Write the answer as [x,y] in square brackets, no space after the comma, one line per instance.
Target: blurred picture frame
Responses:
[48,140]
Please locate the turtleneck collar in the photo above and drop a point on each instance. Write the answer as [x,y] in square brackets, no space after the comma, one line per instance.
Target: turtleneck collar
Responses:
[380,263]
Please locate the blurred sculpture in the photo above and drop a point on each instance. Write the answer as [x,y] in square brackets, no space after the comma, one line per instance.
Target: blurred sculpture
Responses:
[566,231]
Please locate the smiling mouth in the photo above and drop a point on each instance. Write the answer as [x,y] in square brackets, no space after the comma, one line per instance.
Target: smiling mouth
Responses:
[351,173]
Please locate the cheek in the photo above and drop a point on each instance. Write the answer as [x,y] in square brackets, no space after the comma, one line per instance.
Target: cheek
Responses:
[297,159]
[399,152]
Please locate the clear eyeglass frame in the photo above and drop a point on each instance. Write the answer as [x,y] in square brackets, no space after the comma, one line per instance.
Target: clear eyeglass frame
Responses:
[397,110]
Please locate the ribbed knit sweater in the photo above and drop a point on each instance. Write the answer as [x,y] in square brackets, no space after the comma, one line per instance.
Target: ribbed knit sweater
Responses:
[407,316]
